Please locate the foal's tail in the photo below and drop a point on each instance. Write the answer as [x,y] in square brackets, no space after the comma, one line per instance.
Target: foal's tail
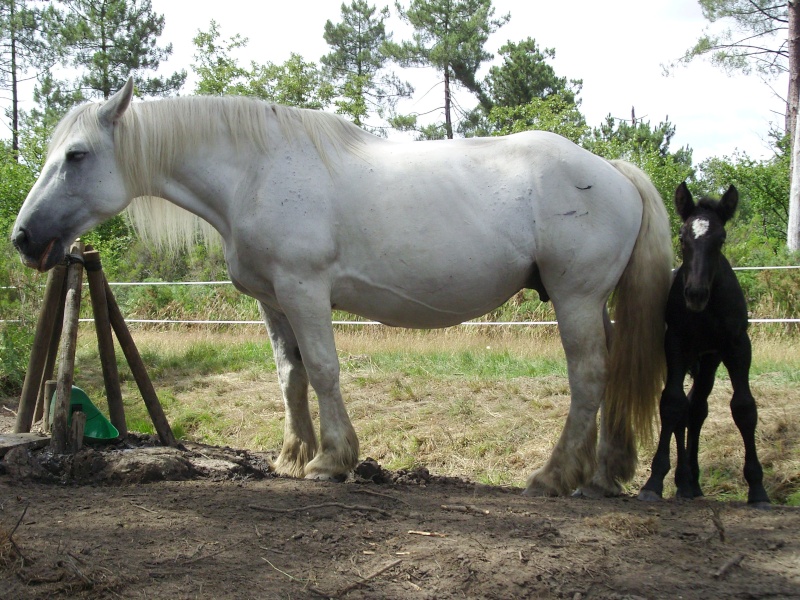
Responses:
[637,367]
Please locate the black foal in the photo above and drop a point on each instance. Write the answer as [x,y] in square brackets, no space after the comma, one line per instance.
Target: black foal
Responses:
[706,321]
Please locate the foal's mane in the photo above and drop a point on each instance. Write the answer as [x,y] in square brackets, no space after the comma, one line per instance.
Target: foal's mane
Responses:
[152,135]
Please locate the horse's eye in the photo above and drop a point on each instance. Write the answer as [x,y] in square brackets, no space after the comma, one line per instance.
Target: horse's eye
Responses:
[76,155]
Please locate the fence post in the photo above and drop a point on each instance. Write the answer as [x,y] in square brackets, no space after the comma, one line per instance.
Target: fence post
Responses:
[105,343]
[138,370]
[72,306]
[41,343]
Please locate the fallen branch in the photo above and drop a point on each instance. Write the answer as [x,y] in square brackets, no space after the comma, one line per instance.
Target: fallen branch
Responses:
[427,533]
[10,536]
[366,579]
[468,508]
[322,505]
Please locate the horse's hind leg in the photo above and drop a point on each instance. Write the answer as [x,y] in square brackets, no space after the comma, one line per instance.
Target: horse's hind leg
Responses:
[745,415]
[299,439]
[574,457]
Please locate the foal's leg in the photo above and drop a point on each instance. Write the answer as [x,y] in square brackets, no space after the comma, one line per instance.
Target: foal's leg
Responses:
[574,457]
[698,411]
[299,440]
[672,408]
[745,415]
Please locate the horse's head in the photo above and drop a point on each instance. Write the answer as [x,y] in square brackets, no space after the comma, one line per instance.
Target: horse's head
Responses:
[80,185]
[702,235]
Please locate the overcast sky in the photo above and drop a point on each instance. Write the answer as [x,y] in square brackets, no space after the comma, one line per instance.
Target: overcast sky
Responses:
[617,47]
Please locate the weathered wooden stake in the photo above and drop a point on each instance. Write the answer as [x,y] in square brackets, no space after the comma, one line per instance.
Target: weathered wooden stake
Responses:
[41,343]
[52,354]
[105,342]
[139,371]
[72,306]
[49,389]
[76,430]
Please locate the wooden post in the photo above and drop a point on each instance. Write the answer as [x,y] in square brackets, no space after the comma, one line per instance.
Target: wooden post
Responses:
[50,363]
[139,371]
[49,390]
[58,441]
[105,343]
[76,430]
[41,343]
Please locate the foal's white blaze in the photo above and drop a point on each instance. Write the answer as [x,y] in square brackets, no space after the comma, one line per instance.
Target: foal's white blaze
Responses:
[699,228]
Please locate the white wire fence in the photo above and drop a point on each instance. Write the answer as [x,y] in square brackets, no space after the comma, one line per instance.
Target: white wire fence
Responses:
[360,323]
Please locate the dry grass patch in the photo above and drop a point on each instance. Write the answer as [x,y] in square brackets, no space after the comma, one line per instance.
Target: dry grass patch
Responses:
[483,403]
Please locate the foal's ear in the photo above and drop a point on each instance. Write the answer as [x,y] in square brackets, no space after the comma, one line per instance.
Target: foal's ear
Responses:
[727,204]
[110,112]
[683,201]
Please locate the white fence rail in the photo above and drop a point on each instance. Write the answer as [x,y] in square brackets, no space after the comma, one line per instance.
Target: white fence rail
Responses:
[467,323]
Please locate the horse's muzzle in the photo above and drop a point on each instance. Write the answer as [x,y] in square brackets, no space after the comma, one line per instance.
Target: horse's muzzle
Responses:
[696,297]
[41,257]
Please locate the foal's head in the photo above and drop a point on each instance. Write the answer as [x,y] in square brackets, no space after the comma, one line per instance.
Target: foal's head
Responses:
[701,236]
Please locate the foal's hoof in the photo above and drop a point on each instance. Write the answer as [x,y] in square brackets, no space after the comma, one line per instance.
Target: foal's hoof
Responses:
[338,478]
[649,496]
[760,505]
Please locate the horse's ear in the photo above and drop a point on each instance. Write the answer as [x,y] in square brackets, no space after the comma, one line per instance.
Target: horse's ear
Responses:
[727,204]
[684,203]
[110,112]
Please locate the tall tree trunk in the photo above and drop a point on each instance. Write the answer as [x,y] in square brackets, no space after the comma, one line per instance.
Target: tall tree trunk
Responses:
[448,122]
[792,122]
[793,230]
[794,66]
[14,92]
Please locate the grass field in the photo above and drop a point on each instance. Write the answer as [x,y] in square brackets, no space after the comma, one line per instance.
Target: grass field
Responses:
[479,402]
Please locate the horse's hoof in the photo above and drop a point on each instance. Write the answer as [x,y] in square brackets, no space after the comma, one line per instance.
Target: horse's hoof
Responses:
[649,496]
[337,478]
[760,505]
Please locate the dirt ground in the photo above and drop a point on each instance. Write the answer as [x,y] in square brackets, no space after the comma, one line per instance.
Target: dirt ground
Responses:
[136,520]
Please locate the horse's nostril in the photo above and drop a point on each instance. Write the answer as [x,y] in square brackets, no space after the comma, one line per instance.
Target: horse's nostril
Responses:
[20,238]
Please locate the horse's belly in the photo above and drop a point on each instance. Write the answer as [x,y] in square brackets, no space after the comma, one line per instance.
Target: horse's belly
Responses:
[420,302]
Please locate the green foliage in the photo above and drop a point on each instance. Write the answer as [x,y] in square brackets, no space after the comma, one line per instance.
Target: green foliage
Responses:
[107,40]
[755,36]
[525,75]
[763,188]
[356,61]
[553,113]
[295,82]
[20,299]
[450,36]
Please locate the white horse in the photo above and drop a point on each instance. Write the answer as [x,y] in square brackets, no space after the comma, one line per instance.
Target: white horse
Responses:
[315,213]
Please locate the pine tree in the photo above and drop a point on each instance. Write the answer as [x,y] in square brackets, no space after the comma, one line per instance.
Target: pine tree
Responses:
[357,63]
[108,40]
[24,52]
[449,35]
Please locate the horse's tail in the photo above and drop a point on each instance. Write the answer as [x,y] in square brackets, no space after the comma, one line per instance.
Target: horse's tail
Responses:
[637,367]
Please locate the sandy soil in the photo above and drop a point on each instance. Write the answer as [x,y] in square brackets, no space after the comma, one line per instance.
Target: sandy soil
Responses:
[139,521]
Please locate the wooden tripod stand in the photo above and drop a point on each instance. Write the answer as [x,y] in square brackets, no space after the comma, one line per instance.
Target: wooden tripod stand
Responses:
[58,327]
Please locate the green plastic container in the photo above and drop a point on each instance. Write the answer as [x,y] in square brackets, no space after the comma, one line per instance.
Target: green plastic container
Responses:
[98,428]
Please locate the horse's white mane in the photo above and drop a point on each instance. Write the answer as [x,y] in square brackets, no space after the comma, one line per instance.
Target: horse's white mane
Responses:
[152,135]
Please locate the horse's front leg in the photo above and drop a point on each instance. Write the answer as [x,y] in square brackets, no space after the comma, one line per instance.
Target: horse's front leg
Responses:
[698,411]
[574,458]
[299,439]
[673,408]
[308,308]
